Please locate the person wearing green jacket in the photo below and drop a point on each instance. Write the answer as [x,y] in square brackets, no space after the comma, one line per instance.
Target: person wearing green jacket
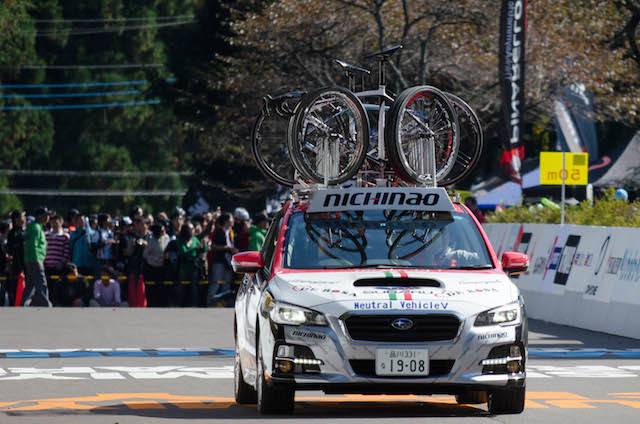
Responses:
[190,246]
[35,291]
[257,232]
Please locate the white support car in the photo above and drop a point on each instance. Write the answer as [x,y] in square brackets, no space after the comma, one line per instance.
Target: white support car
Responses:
[379,291]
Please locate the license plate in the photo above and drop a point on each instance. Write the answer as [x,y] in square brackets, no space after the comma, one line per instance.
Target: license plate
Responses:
[402,362]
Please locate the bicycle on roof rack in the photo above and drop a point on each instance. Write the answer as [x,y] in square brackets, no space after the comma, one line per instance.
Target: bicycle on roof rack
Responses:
[328,134]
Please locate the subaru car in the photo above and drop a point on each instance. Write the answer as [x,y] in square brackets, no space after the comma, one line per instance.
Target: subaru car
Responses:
[379,291]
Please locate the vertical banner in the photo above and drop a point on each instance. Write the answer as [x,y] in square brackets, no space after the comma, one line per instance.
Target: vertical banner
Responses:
[513,23]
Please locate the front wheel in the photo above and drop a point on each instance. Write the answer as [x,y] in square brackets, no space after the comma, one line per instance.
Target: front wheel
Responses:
[328,136]
[244,393]
[422,125]
[470,145]
[273,398]
[507,401]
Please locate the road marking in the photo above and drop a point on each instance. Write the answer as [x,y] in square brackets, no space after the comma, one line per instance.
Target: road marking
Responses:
[113,352]
[580,371]
[171,372]
[582,353]
[207,351]
[116,373]
[158,401]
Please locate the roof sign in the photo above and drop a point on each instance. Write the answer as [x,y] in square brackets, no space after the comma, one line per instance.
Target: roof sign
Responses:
[381,198]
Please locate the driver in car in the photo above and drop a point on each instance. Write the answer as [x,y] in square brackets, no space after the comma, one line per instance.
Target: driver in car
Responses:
[453,255]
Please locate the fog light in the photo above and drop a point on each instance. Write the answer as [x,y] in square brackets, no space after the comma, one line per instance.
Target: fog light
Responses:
[513,366]
[285,351]
[285,366]
[515,351]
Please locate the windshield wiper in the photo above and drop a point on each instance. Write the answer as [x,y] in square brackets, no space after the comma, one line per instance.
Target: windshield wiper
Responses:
[486,266]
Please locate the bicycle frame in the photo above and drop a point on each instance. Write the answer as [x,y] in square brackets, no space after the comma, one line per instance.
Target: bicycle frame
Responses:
[381,93]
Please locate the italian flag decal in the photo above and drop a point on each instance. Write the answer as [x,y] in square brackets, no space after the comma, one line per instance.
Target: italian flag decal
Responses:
[395,274]
[398,294]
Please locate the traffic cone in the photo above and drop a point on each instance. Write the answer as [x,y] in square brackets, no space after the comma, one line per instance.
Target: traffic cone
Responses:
[19,289]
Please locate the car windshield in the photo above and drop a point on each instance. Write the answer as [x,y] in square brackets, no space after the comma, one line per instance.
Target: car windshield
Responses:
[370,239]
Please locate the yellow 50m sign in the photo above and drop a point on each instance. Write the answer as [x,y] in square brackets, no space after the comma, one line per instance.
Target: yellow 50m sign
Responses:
[576,168]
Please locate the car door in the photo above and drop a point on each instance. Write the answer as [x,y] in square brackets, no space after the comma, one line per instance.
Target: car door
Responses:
[254,292]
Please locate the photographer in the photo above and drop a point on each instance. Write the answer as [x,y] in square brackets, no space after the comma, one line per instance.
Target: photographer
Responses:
[135,251]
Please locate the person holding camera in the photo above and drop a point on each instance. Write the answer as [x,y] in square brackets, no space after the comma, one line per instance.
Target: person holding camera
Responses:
[138,242]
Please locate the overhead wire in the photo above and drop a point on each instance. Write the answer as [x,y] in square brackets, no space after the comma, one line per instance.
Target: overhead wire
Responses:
[107,174]
[62,95]
[90,193]
[134,19]
[82,84]
[89,31]
[81,106]
[106,66]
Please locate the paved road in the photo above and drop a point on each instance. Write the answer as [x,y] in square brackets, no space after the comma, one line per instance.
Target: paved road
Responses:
[175,365]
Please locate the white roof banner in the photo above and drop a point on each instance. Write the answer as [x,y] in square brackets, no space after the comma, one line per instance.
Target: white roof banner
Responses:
[381,198]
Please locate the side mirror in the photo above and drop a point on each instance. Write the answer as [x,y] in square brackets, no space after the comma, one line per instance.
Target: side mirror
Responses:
[514,263]
[247,262]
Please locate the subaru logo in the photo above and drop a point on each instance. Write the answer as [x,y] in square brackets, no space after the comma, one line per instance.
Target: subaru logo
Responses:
[402,324]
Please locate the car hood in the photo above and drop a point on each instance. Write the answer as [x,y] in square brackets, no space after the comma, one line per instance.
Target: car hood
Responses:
[374,291]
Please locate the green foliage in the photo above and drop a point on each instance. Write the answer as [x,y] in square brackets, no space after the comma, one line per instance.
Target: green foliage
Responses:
[140,138]
[8,202]
[607,212]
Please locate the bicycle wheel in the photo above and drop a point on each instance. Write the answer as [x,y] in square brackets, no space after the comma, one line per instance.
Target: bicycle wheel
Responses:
[470,145]
[420,116]
[329,135]
[269,135]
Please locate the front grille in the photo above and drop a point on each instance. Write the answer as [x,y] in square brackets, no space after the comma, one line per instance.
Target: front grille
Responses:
[367,367]
[426,328]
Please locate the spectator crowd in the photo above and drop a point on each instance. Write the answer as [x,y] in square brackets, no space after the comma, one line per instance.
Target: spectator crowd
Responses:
[137,260]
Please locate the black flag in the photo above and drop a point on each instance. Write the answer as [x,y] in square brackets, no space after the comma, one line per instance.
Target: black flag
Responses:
[513,24]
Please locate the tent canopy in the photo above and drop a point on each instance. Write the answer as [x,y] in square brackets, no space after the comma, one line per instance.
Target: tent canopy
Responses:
[507,193]
[624,169]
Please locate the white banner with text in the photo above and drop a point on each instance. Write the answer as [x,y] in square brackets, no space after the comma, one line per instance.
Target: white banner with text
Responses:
[582,276]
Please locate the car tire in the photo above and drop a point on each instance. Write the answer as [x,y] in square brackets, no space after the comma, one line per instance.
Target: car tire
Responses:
[273,398]
[471,398]
[507,401]
[244,393]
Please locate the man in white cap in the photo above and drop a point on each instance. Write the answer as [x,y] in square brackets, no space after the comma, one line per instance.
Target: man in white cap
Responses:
[241,229]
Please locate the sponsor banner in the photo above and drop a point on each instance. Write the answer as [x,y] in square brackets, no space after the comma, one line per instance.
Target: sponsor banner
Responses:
[579,104]
[592,264]
[513,23]
[381,198]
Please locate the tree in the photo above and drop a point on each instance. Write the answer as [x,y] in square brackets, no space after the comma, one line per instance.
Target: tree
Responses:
[26,135]
[127,138]
[452,45]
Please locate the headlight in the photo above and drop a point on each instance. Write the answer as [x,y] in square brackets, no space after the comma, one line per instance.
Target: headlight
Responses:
[284,313]
[504,315]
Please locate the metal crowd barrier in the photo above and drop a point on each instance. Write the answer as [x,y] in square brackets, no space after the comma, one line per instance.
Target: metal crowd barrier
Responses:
[123,278]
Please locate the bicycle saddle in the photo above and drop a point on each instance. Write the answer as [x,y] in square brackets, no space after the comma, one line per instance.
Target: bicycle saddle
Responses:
[351,68]
[385,54]
[279,104]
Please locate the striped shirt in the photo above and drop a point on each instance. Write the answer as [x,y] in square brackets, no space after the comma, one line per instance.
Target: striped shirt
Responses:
[57,250]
